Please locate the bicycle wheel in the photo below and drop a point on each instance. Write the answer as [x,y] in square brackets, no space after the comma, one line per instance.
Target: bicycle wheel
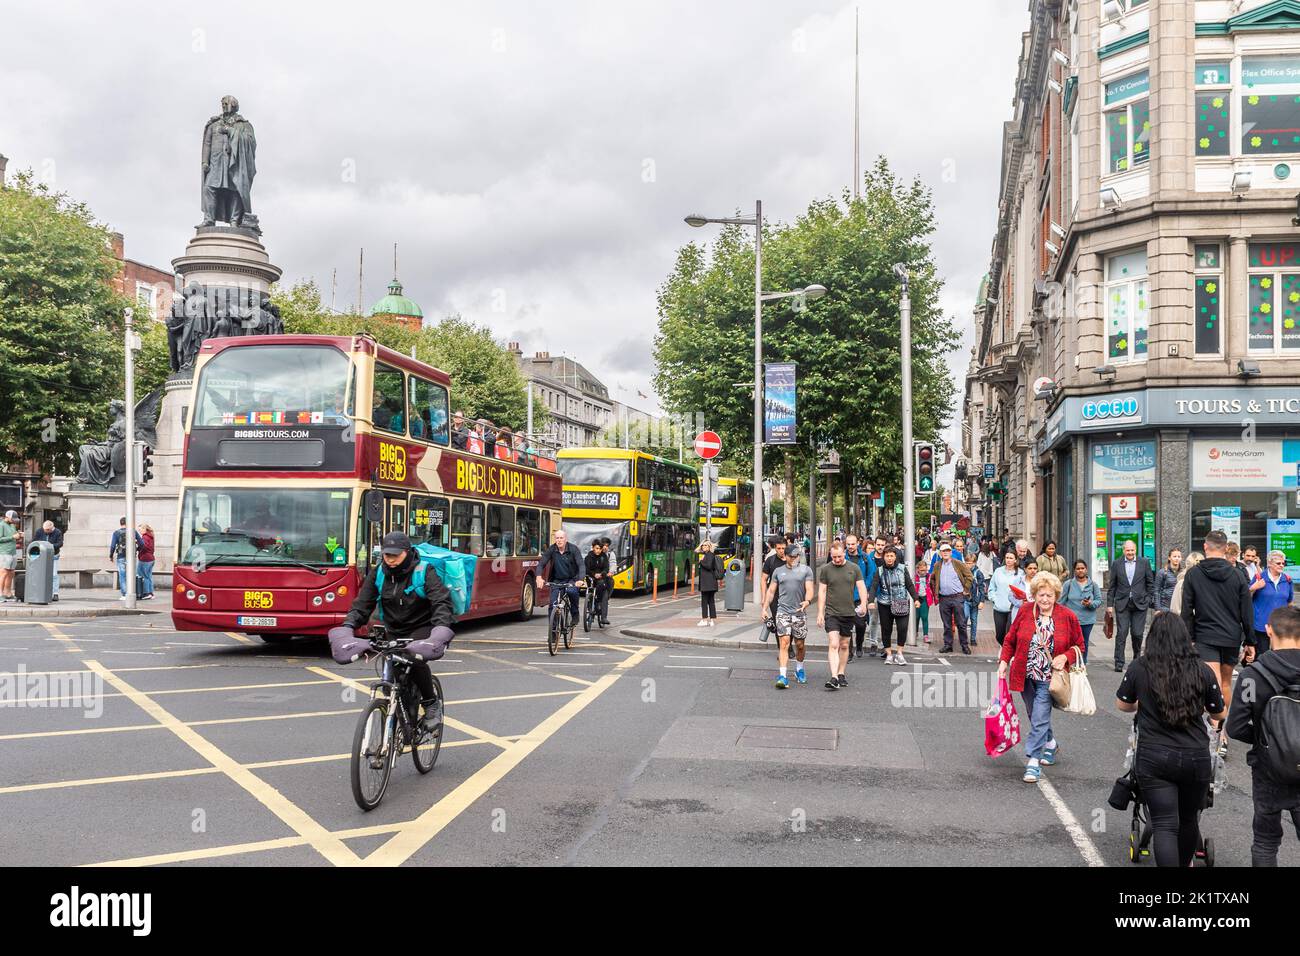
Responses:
[425,754]
[552,630]
[369,782]
[586,611]
[570,625]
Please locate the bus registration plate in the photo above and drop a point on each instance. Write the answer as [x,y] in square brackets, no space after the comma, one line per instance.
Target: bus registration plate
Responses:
[255,621]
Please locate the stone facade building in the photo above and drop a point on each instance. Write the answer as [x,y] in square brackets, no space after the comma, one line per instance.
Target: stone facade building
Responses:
[577,402]
[1147,266]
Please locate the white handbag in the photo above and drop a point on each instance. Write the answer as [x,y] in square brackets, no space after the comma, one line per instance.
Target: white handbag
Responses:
[1082,700]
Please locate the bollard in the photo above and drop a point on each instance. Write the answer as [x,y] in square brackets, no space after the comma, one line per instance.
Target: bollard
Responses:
[654,582]
[676,575]
[693,564]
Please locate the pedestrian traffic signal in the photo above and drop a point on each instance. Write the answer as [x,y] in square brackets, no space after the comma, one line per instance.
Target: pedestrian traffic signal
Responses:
[923,467]
[143,463]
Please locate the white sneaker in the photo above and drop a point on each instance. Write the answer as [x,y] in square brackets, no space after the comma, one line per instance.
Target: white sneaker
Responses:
[713,622]
[704,622]
[900,660]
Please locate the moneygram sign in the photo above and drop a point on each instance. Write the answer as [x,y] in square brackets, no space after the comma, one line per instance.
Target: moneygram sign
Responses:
[1109,412]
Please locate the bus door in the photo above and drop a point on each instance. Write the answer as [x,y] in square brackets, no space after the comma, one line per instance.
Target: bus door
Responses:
[383,513]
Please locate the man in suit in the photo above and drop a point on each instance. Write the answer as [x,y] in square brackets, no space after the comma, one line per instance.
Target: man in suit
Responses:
[1131,594]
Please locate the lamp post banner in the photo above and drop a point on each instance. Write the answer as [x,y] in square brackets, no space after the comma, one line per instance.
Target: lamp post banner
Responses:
[779,403]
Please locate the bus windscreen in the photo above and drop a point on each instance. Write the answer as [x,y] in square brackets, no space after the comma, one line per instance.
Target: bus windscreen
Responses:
[601,472]
[255,526]
[273,385]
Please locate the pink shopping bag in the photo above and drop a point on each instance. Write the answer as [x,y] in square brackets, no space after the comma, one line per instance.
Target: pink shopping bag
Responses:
[1001,722]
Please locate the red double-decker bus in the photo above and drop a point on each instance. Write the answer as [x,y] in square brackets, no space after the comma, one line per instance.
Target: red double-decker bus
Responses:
[302,451]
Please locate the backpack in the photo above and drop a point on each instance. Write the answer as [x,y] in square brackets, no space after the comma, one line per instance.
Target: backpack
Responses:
[1278,739]
[455,570]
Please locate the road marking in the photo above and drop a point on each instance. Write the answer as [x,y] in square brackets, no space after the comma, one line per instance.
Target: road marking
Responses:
[83,640]
[571,664]
[13,648]
[463,727]
[698,667]
[199,771]
[242,638]
[193,644]
[414,835]
[1082,841]
[56,632]
[697,657]
[533,668]
[120,670]
[321,840]
[577,653]
[104,650]
[200,690]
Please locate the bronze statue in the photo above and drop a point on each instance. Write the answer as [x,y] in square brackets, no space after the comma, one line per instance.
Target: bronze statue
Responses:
[229,165]
[202,312]
[104,462]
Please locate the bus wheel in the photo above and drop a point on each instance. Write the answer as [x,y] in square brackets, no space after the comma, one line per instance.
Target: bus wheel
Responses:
[527,601]
[276,638]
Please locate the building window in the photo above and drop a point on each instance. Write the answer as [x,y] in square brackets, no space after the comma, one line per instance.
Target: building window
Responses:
[1128,123]
[146,297]
[1213,108]
[1127,306]
[1209,281]
[1274,298]
[1270,105]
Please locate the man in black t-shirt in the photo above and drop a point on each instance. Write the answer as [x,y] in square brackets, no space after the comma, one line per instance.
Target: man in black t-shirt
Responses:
[775,558]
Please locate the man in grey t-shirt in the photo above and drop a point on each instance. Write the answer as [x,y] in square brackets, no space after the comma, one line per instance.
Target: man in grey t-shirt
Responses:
[792,586]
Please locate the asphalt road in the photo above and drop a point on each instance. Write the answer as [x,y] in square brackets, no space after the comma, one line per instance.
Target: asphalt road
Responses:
[172,748]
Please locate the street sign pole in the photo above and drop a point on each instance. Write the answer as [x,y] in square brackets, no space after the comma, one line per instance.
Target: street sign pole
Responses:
[129,542]
[909,497]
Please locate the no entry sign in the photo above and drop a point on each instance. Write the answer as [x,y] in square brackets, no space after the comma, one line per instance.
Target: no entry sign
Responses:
[708,445]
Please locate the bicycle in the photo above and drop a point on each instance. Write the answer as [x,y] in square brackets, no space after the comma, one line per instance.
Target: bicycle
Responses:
[385,731]
[561,625]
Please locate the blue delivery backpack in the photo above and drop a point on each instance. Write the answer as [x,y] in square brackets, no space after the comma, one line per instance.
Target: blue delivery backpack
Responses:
[455,570]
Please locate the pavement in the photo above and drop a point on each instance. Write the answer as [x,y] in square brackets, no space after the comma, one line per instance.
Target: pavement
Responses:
[123,741]
[86,602]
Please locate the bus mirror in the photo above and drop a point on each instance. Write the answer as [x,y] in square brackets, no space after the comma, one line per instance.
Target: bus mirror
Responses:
[374,506]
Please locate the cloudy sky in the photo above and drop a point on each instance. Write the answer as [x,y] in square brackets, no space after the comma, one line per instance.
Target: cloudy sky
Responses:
[533,161]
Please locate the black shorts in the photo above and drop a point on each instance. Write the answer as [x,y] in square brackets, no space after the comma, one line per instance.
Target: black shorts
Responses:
[839,623]
[1218,655]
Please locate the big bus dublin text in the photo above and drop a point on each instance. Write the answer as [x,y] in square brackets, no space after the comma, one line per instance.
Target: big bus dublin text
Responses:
[302,451]
[732,523]
[645,505]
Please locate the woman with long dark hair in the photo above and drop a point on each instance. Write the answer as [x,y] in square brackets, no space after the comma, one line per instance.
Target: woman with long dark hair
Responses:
[1172,690]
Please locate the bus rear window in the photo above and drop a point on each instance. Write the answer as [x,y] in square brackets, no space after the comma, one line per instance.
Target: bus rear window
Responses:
[264,385]
[596,471]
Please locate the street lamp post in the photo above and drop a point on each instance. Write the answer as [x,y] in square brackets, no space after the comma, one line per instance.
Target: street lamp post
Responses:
[811,292]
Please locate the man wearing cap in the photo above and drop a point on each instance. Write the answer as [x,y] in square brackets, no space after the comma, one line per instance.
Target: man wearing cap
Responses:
[951,580]
[10,539]
[791,587]
[48,532]
[406,615]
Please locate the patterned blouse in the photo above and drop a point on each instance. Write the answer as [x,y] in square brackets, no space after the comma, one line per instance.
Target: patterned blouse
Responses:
[1040,650]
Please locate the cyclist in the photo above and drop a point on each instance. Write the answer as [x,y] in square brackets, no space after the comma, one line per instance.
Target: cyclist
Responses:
[566,564]
[597,562]
[425,621]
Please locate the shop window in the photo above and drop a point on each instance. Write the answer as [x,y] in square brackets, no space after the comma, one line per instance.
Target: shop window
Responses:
[1273,299]
[1270,105]
[1213,108]
[1209,282]
[1128,123]
[1128,294]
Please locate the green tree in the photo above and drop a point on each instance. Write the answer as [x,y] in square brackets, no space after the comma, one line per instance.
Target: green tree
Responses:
[61,349]
[486,382]
[846,345]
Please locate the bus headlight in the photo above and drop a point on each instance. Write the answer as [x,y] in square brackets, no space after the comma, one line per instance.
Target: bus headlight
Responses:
[330,596]
[316,601]
[189,595]
[203,599]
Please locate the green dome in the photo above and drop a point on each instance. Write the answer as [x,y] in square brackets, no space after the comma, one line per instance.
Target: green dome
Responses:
[395,303]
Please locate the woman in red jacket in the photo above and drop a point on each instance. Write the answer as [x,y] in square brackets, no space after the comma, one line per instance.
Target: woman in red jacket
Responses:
[1044,636]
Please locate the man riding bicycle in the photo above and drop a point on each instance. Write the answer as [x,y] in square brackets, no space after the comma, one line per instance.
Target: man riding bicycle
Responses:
[424,621]
[566,565]
[597,563]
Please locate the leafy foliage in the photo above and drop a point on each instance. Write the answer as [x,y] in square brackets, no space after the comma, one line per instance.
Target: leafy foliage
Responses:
[846,345]
[61,347]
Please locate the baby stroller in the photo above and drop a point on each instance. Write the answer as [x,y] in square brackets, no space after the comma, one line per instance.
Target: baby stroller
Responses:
[1127,790]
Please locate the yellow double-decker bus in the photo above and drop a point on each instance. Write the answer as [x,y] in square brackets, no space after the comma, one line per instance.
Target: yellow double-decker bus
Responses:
[646,506]
[732,524]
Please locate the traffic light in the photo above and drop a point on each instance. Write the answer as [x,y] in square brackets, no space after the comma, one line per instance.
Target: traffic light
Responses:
[923,467]
[143,463]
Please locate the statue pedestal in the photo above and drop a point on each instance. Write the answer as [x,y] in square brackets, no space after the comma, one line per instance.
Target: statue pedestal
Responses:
[227,256]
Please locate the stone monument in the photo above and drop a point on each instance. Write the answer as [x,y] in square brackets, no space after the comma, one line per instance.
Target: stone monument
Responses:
[223,282]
